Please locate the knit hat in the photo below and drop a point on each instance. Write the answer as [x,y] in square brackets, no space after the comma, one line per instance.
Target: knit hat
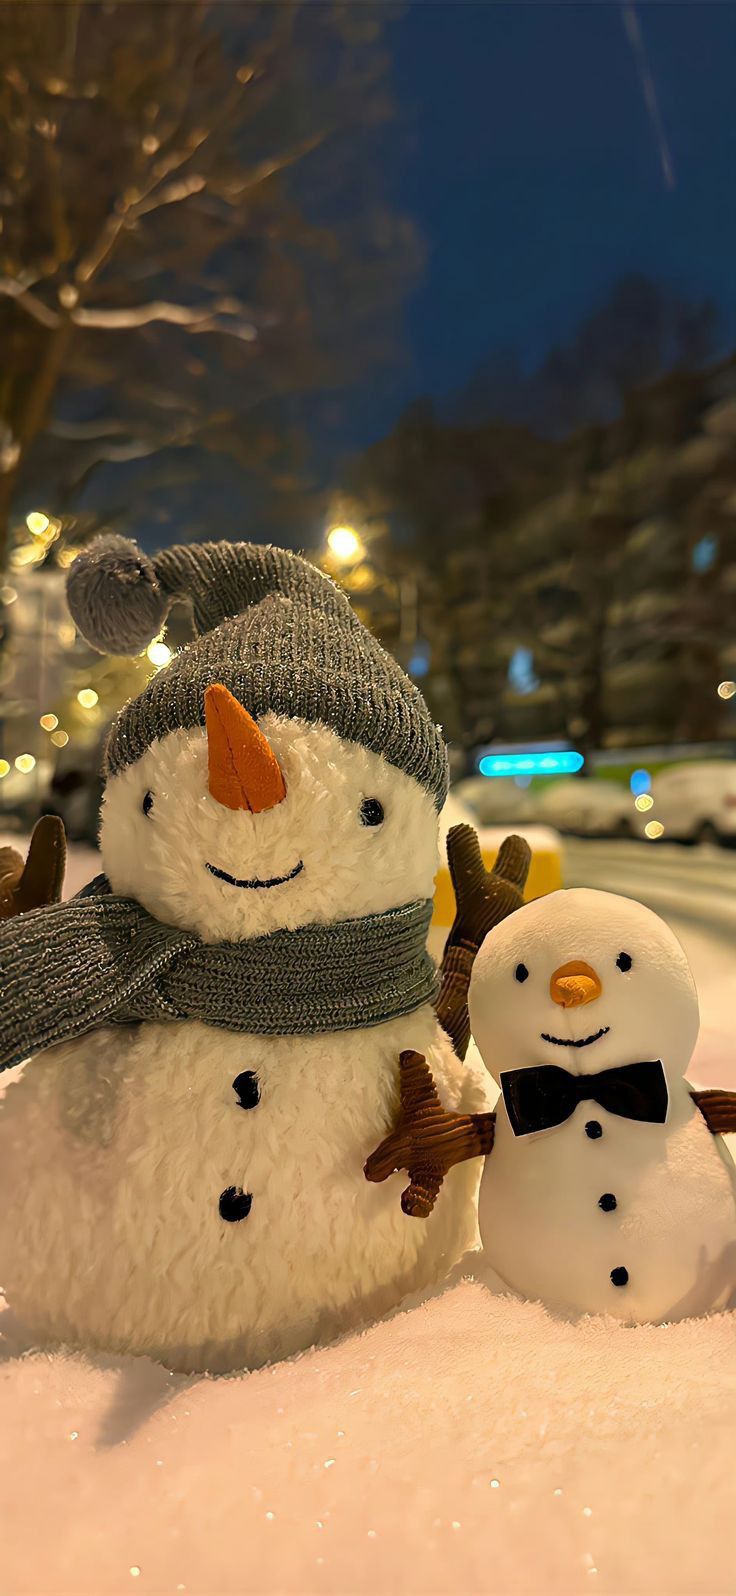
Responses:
[274,630]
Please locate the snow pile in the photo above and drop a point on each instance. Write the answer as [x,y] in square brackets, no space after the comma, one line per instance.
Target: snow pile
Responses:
[473,1443]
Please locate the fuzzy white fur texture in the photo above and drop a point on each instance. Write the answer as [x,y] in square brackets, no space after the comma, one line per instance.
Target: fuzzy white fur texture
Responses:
[349,869]
[114,1152]
[673,1227]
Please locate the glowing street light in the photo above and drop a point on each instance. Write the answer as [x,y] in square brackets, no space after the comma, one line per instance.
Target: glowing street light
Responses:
[344,543]
[37,523]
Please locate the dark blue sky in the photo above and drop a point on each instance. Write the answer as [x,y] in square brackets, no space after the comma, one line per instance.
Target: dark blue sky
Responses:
[526,154]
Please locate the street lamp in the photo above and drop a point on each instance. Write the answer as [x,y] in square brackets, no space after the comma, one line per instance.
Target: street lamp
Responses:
[344,543]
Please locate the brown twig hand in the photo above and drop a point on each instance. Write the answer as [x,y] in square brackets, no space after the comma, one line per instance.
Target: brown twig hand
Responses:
[427,1140]
[37,880]
[483,898]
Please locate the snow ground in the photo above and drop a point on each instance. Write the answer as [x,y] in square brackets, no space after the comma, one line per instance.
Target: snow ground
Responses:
[472,1443]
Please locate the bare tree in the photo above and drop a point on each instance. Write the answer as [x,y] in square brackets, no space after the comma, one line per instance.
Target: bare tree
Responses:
[191,235]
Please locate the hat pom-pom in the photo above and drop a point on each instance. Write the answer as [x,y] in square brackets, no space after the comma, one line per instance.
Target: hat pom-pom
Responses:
[115,597]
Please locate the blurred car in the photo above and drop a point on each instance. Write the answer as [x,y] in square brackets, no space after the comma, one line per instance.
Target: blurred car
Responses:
[694,802]
[496,800]
[588,807]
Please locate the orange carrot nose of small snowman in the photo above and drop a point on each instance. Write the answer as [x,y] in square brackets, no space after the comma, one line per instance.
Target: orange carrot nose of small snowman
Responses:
[574,984]
[244,772]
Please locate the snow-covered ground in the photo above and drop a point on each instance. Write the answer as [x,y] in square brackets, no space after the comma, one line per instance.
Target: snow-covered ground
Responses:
[472,1443]
[695,890]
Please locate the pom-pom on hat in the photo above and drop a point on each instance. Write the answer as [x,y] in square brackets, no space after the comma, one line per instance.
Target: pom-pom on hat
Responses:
[274,630]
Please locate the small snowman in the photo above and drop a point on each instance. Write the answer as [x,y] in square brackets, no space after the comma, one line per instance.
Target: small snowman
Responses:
[211,1028]
[608,1188]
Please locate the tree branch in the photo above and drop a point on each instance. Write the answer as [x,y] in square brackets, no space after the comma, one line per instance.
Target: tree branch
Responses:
[129,205]
[202,318]
[14,289]
[171,195]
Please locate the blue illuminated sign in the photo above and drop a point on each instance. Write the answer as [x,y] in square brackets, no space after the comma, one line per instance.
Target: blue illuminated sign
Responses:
[560,763]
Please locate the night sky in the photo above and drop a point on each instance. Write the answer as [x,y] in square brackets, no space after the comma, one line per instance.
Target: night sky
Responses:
[526,153]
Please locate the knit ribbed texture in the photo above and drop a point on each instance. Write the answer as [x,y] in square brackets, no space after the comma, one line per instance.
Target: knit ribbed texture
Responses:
[71,967]
[281,637]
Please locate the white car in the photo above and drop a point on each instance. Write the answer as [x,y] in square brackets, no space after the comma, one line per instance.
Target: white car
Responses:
[589,807]
[693,802]
[497,800]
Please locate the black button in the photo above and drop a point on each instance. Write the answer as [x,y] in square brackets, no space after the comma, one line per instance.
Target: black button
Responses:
[235,1204]
[247,1089]
[620,1277]
[371,812]
[593,1129]
[607,1202]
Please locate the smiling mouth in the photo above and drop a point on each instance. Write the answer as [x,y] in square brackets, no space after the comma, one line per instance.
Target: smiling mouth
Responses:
[274,881]
[585,1041]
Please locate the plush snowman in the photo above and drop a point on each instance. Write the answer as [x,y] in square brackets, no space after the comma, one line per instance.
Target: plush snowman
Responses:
[212,1027]
[608,1188]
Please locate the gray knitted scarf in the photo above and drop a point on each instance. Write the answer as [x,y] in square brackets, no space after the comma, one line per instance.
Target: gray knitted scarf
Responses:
[97,959]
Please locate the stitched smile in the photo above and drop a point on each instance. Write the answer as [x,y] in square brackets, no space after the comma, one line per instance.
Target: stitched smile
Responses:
[585,1041]
[275,881]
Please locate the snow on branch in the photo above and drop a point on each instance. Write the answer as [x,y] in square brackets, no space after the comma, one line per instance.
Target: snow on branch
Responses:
[13,289]
[196,318]
[221,316]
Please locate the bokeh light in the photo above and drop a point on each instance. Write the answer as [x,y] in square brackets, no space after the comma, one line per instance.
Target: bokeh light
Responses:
[49,722]
[4,768]
[640,781]
[344,542]
[653,829]
[60,738]
[87,697]
[644,801]
[726,689]
[37,523]
[25,763]
[159,653]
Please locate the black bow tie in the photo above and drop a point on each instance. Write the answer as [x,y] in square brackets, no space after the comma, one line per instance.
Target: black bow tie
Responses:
[547,1095]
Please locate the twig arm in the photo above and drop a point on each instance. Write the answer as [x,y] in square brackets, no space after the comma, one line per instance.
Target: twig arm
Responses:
[483,898]
[718,1110]
[428,1140]
[39,879]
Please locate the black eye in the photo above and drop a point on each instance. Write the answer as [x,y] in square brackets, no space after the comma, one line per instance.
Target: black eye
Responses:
[371,812]
[624,961]
[521,972]
[147,804]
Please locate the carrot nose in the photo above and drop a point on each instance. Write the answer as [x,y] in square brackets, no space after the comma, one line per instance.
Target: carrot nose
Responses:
[244,772]
[574,984]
